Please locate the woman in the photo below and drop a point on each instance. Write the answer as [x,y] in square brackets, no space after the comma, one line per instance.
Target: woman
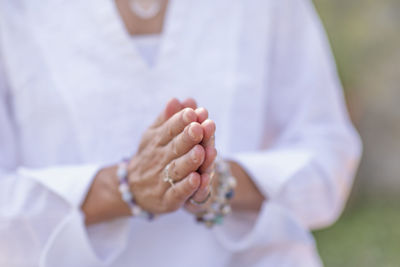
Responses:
[82,80]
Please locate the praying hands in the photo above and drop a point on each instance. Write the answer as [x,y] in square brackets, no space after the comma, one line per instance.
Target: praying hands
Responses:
[173,167]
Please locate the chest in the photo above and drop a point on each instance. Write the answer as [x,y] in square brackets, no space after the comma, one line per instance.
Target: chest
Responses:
[80,67]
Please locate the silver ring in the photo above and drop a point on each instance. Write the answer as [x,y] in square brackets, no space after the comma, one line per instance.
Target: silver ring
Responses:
[167,178]
[200,203]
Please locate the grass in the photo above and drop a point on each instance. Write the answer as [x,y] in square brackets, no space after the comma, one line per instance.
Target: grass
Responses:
[368,235]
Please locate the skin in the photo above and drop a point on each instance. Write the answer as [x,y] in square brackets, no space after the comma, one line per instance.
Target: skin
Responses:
[174,138]
[247,196]
[181,136]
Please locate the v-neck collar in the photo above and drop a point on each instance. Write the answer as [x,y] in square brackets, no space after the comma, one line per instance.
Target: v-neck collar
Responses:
[116,32]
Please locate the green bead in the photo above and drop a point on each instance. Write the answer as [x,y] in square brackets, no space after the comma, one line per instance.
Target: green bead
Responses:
[219,219]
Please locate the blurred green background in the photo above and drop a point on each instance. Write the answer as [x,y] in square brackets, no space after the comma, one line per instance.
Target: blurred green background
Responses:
[365,37]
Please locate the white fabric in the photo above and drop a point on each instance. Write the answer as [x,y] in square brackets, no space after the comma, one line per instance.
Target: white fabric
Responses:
[75,96]
[147,46]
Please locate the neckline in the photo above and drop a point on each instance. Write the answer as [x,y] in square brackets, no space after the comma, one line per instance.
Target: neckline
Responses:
[117,33]
[147,37]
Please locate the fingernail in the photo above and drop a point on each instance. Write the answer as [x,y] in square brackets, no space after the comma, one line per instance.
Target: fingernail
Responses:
[193,181]
[191,132]
[187,116]
[193,155]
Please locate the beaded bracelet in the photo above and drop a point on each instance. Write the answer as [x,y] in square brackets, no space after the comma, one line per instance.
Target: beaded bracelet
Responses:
[126,194]
[221,203]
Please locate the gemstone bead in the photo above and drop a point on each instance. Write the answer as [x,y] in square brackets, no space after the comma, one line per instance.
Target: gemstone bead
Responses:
[126,196]
[230,194]
[123,188]
[122,172]
[136,210]
[199,219]
[226,209]
[219,219]
[232,182]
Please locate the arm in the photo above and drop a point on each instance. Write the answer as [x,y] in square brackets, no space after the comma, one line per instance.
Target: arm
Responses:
[247,196]
[40,209]
[309,164]
[305,170]
[40,213]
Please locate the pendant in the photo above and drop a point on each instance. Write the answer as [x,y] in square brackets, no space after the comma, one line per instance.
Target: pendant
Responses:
[145,9]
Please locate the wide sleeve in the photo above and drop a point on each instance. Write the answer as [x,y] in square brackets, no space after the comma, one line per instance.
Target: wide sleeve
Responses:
[41,223]
[306,168]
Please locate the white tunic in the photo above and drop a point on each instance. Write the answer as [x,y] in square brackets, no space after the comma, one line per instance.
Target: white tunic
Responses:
[148,46]
[76,95]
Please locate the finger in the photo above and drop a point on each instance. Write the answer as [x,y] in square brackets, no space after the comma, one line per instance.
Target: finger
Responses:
[176,124]
[209,158]
[186,164]
[189,103]
[201,195]
[172,106]
[176,195]
[209,145]
[181,144]
[204,188]
[202,114]
[209,132]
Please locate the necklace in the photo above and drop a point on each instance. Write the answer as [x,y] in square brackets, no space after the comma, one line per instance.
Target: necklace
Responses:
[145,9]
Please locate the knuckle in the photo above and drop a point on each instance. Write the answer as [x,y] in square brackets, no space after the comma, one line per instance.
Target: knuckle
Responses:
[170,131]
[174,148]
[156,140]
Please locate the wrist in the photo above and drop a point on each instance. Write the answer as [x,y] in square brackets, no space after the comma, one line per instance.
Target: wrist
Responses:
[223,192]
[247,196]
[103,201]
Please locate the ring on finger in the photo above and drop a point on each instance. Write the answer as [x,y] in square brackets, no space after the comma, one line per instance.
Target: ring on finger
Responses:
[200,203]
[166,177]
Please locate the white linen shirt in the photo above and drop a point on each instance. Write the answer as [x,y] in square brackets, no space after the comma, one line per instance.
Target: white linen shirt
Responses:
[75,96]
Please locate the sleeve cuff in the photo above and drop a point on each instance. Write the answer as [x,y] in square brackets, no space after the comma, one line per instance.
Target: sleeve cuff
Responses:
[70,245]
[69,182]
[271,170]
[73,241]
[242,231]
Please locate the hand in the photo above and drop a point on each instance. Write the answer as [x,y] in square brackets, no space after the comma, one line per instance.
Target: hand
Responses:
[174,139]
[103,201]
[208,141]
[206,169]
[247,195]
